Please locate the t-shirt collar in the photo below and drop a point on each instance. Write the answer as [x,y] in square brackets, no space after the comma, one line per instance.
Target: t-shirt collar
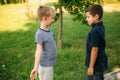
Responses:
[45,30]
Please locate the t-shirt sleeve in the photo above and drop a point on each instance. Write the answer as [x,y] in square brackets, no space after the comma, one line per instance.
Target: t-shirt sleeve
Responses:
[38,38]
[95,39]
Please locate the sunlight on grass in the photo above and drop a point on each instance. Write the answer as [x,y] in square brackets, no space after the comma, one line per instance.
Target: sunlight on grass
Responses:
[12,17]
[112,7]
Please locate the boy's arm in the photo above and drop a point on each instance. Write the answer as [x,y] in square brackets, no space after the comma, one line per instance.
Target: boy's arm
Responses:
[38,54]
[93,57]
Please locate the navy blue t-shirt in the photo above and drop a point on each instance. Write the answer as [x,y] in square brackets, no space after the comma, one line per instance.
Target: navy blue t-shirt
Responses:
[96,38]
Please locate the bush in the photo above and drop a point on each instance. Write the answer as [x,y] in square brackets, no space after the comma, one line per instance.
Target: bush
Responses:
[30,12]
[12,1]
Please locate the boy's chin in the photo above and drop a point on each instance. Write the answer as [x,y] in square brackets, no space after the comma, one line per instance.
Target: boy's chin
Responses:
[50,25]
[89,24]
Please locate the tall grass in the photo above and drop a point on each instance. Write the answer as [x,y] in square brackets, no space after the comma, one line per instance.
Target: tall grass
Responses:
[17,45]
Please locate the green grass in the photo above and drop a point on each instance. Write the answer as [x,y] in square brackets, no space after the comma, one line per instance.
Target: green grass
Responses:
[17,46]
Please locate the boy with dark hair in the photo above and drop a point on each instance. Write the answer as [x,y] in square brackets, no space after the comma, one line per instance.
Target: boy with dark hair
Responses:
[96,59]
[45,54]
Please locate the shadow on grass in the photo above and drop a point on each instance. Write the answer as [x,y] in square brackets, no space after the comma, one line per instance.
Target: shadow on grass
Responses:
[17,53]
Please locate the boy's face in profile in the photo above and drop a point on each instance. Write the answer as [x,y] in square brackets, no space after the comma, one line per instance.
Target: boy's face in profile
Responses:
[91,19]
[50,19]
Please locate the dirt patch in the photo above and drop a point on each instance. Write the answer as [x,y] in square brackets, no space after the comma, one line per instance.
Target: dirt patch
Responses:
[114,75]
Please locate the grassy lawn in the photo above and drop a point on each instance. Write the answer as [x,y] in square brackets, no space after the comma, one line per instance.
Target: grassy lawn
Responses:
[17,44]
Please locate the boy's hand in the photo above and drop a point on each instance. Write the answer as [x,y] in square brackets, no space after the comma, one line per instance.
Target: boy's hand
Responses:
[90,71]
[33,74]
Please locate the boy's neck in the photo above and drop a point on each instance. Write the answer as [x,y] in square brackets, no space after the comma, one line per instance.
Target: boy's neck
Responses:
[97,21]
[44,27]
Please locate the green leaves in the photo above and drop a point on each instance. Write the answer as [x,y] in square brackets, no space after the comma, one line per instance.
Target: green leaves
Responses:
[76,7]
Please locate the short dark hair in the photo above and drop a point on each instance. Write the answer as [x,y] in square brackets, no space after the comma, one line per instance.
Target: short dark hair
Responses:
[95,9]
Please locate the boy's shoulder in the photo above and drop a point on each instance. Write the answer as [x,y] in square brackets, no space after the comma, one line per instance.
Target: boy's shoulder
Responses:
[99,29]
[39,33]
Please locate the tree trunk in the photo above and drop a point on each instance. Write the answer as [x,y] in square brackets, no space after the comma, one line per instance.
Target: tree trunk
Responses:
[60,29]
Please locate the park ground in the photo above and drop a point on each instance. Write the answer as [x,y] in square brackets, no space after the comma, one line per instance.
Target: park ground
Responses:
[17,43]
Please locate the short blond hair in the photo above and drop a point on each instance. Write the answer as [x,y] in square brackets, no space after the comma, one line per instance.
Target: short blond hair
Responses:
[44,10]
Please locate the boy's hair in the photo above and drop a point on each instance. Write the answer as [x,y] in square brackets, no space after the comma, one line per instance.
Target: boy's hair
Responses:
[44,10]
[95,9]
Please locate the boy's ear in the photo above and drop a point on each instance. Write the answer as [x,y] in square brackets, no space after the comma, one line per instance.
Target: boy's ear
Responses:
[97,16]
[44,18]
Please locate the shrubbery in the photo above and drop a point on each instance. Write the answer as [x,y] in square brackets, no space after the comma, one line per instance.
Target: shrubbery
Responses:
[12,1]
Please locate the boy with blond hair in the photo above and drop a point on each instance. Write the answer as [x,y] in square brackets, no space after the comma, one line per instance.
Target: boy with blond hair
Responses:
[45,55]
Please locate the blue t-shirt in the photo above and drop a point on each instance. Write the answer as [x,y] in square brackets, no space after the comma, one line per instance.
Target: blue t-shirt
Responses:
[46,39]
[96,38]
